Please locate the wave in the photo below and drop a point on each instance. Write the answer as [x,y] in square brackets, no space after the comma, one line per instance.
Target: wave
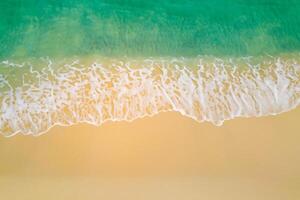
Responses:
[38,94]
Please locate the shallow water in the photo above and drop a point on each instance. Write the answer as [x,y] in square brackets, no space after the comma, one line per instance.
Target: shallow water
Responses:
[94,61]
[204,89]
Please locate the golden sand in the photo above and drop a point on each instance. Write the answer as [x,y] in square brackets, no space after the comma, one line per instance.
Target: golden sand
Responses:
[164,157]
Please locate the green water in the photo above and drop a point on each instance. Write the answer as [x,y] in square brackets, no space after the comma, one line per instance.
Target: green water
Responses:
[33,28]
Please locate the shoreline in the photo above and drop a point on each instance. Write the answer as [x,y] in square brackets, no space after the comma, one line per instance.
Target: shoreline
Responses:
[171,112]
[214,91]
[163,155]
[88,149]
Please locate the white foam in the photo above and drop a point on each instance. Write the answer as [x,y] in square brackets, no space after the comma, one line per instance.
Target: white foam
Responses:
[205,89]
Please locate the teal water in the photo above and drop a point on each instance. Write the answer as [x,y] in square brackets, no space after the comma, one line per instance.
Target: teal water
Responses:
[33,28]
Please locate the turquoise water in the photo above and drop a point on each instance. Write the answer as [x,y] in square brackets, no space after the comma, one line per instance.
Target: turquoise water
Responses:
[33,28]
[69,61]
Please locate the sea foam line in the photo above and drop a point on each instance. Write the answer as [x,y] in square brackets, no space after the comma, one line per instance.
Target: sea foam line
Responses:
[52,93]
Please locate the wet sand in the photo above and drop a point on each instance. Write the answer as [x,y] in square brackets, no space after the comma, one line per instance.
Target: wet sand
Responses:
[167,156]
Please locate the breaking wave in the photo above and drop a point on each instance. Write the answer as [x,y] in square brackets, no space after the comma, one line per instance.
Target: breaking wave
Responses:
[38,94]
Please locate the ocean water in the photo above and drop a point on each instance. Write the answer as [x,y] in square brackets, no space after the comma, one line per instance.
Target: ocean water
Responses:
[65,62]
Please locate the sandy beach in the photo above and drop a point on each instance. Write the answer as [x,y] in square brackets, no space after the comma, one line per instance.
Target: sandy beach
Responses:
[167,156]
[78,77]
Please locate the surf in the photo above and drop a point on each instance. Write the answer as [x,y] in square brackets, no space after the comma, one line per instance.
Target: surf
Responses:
[41,93]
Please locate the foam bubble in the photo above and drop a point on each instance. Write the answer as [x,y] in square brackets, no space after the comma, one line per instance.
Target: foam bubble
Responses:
[205,89]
